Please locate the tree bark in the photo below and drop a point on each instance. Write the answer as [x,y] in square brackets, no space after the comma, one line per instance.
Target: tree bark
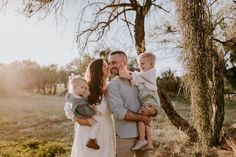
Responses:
[175,118]
[139,31]
[217,99]
[197,44]
[54,89]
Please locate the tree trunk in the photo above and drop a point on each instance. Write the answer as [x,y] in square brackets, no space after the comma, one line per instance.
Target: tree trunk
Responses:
[217,99]
[54,89]
[139,31]
[197,38]
[175,118]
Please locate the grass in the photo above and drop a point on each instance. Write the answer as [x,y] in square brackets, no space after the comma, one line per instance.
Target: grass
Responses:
[35,126]
[37,119]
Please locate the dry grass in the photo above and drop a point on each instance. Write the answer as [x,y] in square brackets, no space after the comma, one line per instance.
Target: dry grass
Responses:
[37,125]
[232,145]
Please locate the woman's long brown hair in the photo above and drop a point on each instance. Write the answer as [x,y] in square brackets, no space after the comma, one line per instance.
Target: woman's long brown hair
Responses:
[94,76]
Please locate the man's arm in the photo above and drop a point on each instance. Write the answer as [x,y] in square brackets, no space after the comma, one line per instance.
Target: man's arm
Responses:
[83,122]
[117,107]
[130,116]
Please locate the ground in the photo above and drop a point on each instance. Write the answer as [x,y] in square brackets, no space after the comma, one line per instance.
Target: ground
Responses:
[36,126]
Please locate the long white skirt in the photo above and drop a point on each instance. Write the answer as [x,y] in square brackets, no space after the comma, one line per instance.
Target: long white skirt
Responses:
[105,138]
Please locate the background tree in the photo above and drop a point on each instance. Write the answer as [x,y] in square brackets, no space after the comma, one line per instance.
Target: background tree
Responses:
[204,67]
[170,83]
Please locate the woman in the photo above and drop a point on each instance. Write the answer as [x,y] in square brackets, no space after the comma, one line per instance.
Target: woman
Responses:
[96,76]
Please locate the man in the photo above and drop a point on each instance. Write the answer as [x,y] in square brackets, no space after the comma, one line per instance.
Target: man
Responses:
[124,102]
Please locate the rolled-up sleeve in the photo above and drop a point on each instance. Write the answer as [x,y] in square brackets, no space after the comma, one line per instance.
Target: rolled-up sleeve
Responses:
[115,101]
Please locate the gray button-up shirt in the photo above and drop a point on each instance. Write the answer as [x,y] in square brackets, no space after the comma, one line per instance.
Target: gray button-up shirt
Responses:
[123,97]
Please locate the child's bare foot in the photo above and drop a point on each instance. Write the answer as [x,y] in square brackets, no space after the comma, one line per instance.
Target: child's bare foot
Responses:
[148,147]
[92,144]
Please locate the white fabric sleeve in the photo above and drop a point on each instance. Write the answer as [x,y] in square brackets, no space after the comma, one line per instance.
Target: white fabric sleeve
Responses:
[136,78]
[68,111]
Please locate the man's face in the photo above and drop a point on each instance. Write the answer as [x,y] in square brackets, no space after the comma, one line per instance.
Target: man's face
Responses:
[116,61]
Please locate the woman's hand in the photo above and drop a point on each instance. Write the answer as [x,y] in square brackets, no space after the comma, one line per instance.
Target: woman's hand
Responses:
[82,122]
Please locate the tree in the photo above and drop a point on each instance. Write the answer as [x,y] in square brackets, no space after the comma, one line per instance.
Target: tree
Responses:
[113,11]
[79,65]
[203,65]
[169,82]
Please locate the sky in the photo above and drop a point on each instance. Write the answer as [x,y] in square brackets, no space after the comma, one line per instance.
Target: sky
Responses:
[42,41]
[47,43]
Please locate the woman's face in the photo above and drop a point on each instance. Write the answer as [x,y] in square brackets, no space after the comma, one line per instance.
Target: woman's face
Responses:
[105,69]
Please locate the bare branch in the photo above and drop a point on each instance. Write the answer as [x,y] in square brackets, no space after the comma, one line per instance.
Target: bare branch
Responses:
[213,2]
[147,6]
[126,21]
[115,6]
[225,43]
[222,19]
[128,25]
[160,7]
[100,27]
[33,7]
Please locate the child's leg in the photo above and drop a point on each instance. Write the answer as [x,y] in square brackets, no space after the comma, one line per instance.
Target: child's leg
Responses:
[95,128]
[142,141]
[141,131]
[93,134]
[149,137]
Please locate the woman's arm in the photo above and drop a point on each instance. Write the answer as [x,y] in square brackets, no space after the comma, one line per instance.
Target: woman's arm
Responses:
[70,115]
[83,122]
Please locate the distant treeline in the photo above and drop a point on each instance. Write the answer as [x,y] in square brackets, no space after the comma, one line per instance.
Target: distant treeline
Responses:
[22,77]
[26,77]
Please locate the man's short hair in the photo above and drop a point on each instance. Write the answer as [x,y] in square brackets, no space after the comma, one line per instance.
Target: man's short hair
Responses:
[118,52]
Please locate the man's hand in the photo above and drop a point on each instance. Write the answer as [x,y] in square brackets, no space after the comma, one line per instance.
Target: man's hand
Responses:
[148,110]
[145,119]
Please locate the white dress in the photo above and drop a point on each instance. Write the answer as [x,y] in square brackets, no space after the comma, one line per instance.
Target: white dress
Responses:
[105,138]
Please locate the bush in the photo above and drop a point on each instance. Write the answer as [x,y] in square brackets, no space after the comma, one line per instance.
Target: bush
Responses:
[50,150]
[169,83]
[33,148]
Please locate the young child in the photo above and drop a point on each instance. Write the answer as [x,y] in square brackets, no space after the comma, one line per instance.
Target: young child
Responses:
[78,92]
[146,82]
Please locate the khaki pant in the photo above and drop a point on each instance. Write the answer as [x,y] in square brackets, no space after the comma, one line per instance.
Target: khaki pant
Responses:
[124,145]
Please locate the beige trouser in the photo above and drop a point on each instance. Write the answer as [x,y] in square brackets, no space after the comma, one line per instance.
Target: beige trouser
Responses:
[124,145]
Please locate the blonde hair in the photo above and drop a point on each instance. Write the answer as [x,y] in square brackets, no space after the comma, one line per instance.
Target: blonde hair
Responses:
[74,81]
[148,55]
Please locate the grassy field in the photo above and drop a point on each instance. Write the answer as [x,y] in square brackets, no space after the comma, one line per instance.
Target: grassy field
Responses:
[35,126]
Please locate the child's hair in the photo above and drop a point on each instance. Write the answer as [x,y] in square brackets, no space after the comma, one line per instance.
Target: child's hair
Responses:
[148,55]
[74,81]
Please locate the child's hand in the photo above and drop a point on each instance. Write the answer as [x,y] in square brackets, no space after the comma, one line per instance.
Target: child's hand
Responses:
[93,106]
[124,72]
